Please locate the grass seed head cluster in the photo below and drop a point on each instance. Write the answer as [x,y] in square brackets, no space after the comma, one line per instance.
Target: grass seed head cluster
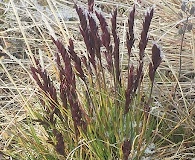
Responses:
[88,106]
[103,115]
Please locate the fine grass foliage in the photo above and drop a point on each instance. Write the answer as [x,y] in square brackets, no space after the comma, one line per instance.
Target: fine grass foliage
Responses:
[93,111]
[96,99]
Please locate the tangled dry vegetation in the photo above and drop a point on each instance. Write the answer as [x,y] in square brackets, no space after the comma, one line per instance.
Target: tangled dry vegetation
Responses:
[25,33]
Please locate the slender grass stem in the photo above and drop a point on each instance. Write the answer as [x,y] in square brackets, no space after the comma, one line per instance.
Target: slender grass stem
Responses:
[180,57]
[103,74]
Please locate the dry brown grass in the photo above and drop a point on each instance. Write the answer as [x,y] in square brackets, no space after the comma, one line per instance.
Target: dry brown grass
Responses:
[23,34]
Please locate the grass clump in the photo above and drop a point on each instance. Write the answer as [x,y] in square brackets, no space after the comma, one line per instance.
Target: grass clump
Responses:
[92,108]
[94,111]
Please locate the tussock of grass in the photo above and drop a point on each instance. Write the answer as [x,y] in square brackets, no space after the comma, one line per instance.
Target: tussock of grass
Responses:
[24,35]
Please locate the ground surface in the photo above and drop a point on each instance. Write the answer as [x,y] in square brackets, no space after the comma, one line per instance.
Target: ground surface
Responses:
[24,32]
